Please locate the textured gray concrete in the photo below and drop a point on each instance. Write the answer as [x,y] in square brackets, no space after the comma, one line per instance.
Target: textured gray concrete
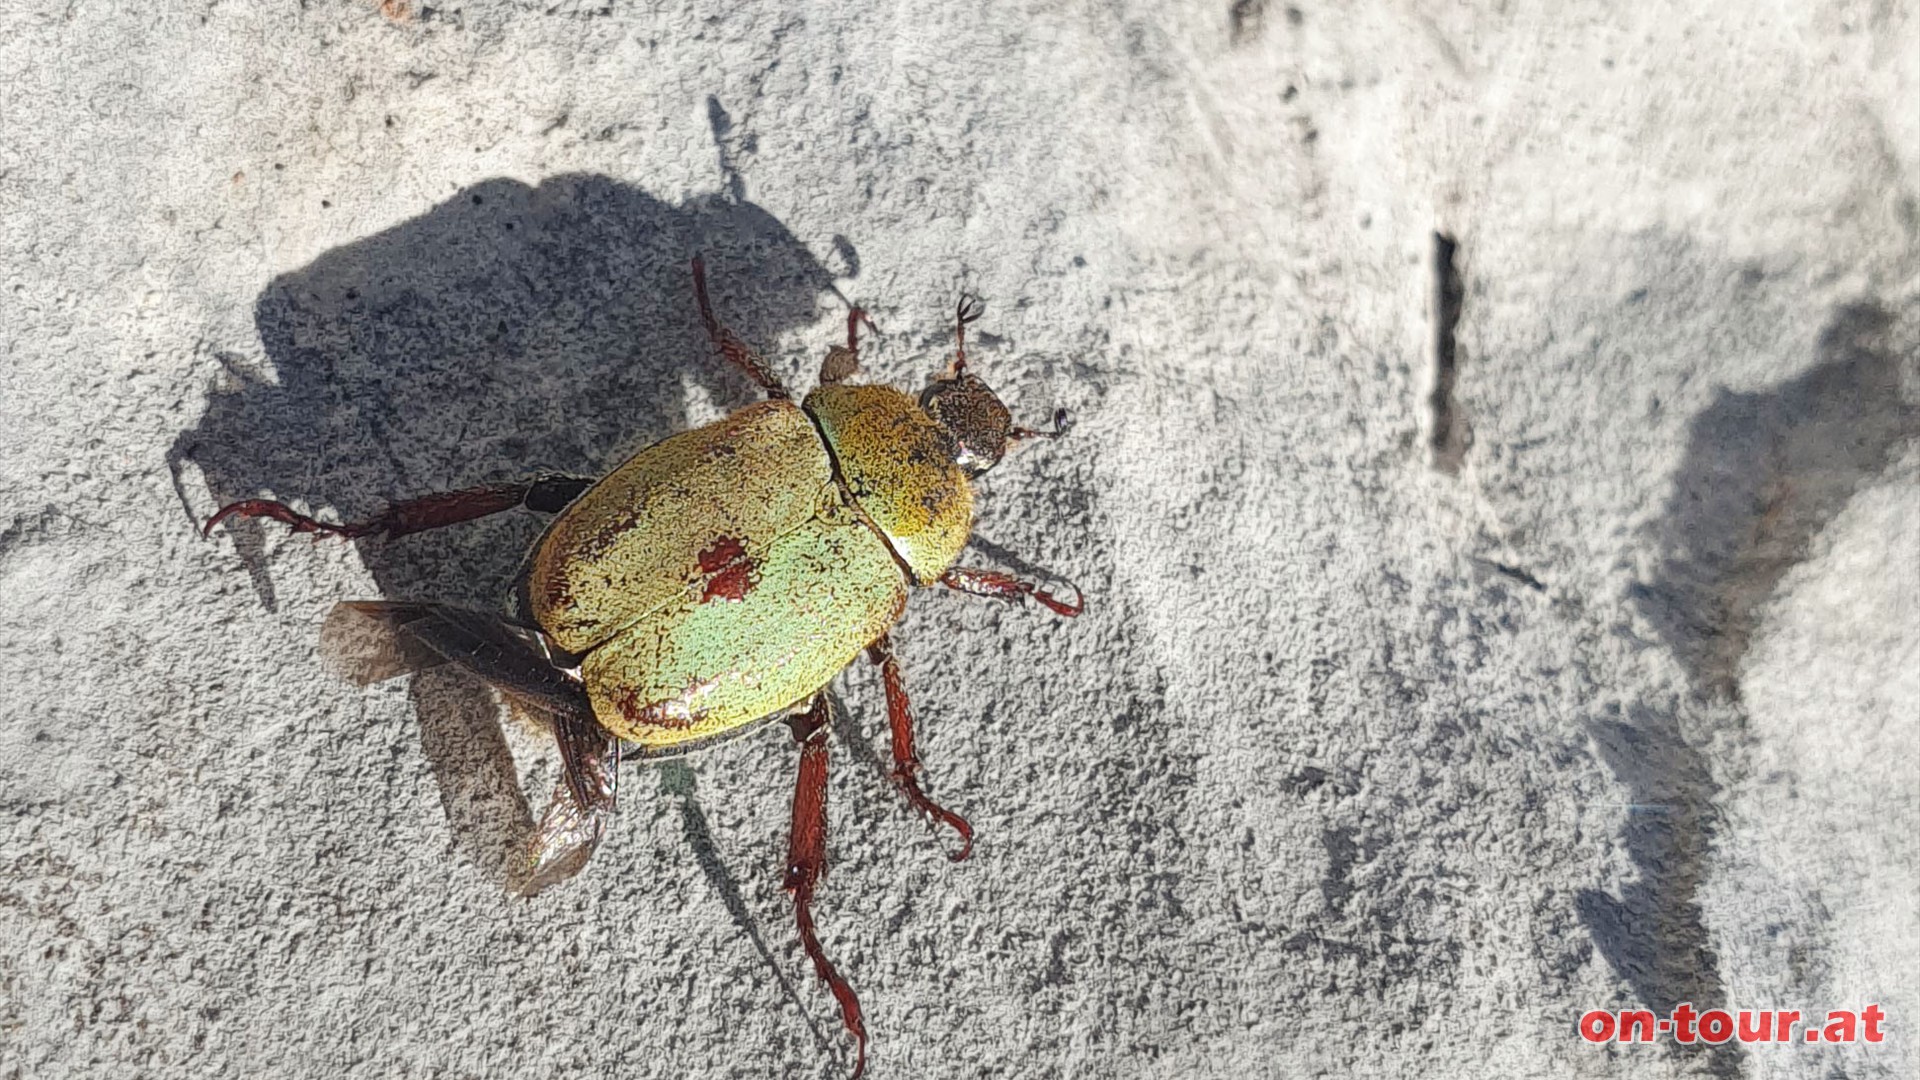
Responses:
[1356,766]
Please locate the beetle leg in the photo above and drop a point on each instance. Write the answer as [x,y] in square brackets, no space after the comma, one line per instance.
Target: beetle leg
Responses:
[807,859]
[1001,586]
[906,763]
[544,494]
[840,363]
[729,343]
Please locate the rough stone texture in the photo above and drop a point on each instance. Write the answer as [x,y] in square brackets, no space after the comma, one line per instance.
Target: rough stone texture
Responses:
[1355,767]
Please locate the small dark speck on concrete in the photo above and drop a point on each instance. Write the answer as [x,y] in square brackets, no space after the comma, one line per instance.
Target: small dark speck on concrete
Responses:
[1514,572]
[1245,21]
[325,204]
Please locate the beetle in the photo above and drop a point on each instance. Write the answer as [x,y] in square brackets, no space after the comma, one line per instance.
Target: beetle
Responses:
[720,578]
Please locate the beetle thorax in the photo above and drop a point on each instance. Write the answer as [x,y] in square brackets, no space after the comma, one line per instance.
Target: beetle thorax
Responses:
[898,466]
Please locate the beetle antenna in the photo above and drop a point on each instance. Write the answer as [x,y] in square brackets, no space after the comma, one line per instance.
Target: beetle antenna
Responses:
[1062,423]
[970,308]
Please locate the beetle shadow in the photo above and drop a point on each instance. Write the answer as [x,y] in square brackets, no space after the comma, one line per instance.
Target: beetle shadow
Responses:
[506,332]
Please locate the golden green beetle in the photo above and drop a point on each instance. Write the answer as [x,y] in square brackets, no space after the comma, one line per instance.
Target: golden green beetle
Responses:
[721,577]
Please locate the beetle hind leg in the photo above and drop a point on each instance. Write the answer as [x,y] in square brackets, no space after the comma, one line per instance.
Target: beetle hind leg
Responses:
[906,763]
[807,861]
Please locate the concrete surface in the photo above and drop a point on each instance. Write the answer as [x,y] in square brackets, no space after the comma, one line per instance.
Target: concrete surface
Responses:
[1357,765]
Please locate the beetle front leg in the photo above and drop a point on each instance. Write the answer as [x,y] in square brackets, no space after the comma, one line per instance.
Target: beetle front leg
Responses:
[906,763]
[840,363]
[736,351]
[807,859]
[993,583]
[545,494]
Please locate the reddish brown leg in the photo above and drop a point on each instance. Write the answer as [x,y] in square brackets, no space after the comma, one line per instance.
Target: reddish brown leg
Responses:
[906,763]
[546,494]
[854,318]
[840,363]
[1001,586]
[807,860]
[729,343]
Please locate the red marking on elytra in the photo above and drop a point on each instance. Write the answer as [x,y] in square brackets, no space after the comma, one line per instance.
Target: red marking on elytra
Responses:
[733,583]
[731,569]
[726,549]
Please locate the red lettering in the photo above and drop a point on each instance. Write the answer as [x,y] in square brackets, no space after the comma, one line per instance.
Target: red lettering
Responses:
[1872,1015]
[1715,1027]
[1683,1017]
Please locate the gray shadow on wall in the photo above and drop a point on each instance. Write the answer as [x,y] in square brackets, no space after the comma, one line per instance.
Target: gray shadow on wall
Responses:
[1764,472]
[509,331]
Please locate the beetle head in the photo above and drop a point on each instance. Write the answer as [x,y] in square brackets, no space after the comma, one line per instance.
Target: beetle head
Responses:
[975,419]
